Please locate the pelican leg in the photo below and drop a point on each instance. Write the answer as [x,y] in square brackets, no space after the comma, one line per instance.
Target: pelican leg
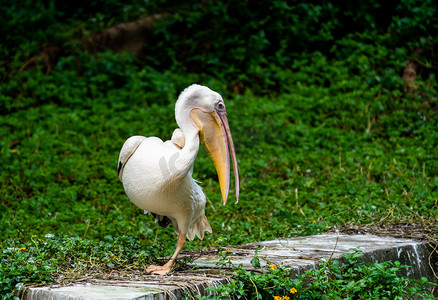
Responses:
[165,269]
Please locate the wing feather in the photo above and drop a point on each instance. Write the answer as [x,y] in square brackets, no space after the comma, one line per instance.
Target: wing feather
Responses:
[128,149]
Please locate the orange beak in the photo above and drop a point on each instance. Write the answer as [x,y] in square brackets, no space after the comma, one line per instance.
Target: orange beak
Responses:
[215,135]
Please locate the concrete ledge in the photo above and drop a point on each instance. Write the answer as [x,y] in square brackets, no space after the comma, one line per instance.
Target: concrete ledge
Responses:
[301,253]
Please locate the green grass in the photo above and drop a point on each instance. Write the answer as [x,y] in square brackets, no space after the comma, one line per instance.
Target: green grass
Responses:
[310,159]
[331,140]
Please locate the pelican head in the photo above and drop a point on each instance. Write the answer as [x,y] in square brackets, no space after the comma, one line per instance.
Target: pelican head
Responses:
[203,110]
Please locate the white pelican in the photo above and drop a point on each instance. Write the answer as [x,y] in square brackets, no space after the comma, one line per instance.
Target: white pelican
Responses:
[157,176]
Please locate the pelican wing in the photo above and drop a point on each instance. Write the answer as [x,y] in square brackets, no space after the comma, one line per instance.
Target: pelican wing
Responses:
[128,149]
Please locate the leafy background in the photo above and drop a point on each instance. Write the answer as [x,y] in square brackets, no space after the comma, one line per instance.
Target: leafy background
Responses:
[327,133]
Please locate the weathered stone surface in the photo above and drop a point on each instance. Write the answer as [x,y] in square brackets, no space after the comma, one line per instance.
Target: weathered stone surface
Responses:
[301,253]
[95,292]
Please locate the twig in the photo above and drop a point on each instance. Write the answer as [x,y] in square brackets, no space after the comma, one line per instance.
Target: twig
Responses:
[257,293]
[430,258]
[425,65]
[333,252]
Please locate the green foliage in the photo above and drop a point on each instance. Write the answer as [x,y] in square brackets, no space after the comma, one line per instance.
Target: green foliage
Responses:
[324,131]
[351,279]
[18,267]
[237,40]
[37,260]
[416,19]
[247,44]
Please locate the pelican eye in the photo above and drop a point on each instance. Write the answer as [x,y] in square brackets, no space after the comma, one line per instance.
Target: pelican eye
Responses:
[220,106]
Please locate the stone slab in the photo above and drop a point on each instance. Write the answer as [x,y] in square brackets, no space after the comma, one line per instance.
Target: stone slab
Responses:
[301,253]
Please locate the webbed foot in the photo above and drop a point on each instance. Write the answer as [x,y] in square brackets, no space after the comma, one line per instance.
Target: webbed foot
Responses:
[158,270]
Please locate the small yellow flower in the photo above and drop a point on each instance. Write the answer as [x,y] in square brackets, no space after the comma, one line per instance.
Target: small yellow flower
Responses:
[313,222]
[293,291]
[15,151]
[21,249]
[273,267]
[115,257]
[228,251]
[277,298]
[285,298]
